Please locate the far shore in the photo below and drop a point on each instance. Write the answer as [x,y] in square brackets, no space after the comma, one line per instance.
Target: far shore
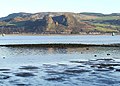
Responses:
[32,34]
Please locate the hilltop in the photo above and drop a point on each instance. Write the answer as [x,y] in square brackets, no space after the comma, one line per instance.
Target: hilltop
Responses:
[60,23]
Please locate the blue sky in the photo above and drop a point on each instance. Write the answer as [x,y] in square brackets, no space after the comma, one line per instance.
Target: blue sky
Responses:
[34,6]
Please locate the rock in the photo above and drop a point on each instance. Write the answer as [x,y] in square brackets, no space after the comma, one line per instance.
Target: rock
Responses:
[92,66]
[108,54]
[95,55]
[87,48]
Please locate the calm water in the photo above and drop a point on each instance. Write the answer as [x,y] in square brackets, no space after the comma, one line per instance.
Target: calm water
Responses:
[59,39]
[36,66]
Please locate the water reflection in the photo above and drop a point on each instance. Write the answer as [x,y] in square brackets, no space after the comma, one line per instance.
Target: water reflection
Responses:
[36,51]
[31,66]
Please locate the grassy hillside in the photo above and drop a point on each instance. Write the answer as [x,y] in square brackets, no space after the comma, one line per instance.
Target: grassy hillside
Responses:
[60,23]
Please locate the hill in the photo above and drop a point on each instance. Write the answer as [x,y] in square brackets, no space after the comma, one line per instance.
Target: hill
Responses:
[60,23]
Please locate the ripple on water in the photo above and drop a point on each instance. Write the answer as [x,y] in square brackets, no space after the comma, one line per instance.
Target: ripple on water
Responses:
[54,78]
[98,72]
[4,69]
[24,74]
[29,67]
[3,77]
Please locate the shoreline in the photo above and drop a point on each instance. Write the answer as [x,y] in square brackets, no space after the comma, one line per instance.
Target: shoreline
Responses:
[62,45]
[30,34]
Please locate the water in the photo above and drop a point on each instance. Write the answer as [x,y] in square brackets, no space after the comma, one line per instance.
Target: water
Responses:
[36,66]
[59,39]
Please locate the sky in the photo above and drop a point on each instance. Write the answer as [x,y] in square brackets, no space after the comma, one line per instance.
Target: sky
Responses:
[77,6]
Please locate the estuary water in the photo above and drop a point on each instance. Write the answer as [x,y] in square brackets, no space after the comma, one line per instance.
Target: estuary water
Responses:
[37,66]
[89,39]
